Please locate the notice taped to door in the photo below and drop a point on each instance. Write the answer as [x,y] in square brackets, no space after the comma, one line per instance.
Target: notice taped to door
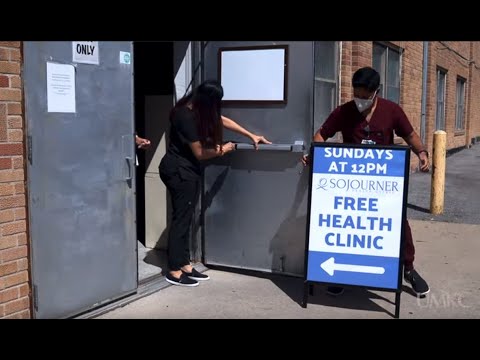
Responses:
[60,88]
[85,52]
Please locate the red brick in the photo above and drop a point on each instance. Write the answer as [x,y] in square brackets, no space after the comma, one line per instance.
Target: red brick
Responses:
[4,54]
[11,44]
[17,162]
[13,227]
[24,314]
[3,124]
[5,163]
[15,135]
[20,214]
[7,67]
[14,109]
[15,122]
[22,239]
[14,253]
[7,216]
[15,55]
[10,94]
[15,82]
[15,279]
[9,294]
[8,268]
[4,81]
[11,176]
[19,188]
[7,242]
[16,305]
[10,202]
[24,290]
[22,264]
[11,149]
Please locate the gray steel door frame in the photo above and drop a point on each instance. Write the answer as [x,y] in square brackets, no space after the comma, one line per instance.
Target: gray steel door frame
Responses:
[81,182]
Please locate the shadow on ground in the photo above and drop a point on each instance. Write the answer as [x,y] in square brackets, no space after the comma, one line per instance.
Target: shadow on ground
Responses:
[354,298]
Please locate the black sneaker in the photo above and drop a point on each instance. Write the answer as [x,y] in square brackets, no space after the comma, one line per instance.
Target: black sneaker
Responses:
[184,280]
[335,290]
[419,286]
[195,275]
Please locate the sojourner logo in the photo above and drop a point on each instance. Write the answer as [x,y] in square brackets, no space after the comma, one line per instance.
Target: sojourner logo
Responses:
[378,186]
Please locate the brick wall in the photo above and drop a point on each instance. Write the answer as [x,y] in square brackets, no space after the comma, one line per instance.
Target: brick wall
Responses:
[358,54]
[14,287]
[455,66]
[473,89]
[361,54]
[411,86]
[346,73]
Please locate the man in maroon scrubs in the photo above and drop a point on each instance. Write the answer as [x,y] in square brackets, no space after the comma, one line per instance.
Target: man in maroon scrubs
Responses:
[369,119]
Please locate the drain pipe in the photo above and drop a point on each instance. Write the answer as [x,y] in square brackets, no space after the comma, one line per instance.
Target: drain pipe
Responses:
[424,93]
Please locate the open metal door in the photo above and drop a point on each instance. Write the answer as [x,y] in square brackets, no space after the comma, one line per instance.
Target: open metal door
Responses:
[255,202]
[81,175]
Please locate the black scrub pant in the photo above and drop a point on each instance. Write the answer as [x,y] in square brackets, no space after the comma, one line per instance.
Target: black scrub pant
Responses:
[184,195]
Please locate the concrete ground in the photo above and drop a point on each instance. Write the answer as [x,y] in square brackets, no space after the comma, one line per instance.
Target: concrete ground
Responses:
[151,262]
[447,248]
[448,254]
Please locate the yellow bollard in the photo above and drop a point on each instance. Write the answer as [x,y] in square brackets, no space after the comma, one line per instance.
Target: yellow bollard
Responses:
[438,172]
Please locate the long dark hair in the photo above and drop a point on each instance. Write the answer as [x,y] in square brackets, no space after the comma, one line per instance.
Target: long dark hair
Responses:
[205,101]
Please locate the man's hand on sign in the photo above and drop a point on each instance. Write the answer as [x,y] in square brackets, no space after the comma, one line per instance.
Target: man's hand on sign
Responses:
[424,162]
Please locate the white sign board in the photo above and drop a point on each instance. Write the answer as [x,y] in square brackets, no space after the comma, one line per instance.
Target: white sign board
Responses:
[85,52]
[254,74]
[358,197]
[60,88]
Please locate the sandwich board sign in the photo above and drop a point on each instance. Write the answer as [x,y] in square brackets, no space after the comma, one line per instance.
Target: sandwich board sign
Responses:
[356,213]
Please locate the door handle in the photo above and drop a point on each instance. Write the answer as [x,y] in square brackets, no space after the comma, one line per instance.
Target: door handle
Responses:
[129,161]
[271,147]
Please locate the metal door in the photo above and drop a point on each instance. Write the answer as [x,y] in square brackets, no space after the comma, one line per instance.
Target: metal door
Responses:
[81,181]
[255,202]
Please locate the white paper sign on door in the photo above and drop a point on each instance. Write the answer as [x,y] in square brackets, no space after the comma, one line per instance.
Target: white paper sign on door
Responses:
[60,88]
[85,52]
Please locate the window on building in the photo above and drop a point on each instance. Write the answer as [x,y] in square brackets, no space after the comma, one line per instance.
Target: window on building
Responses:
[460,108]
[326,80]
[386,60]
[440,112]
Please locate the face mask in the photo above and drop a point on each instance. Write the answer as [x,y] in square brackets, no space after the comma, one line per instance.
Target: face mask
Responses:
[364,104]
